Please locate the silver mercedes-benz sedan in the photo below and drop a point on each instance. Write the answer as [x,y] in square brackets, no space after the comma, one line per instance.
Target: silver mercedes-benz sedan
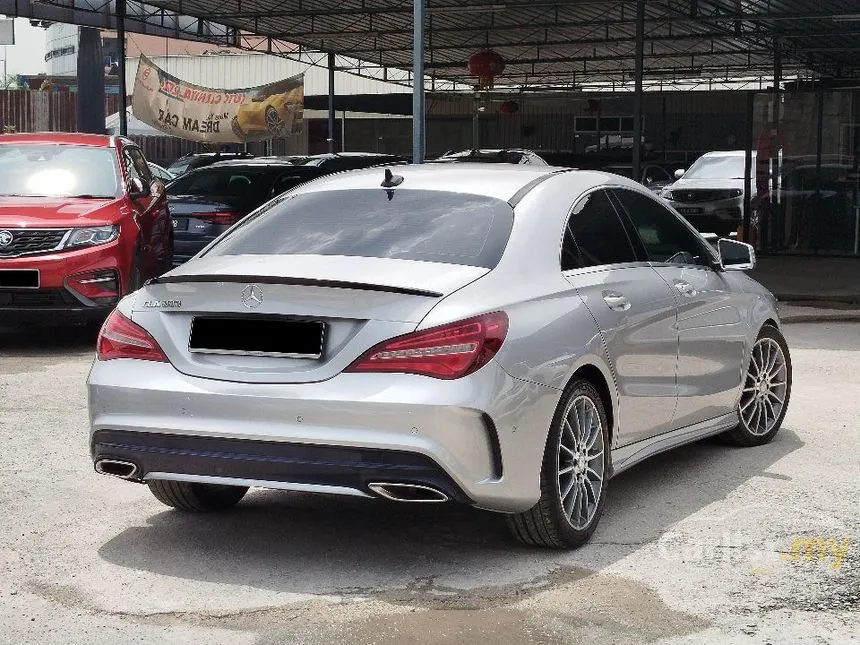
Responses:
[501,336]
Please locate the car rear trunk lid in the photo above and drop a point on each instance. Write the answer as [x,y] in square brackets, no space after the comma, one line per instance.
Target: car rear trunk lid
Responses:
[352,303]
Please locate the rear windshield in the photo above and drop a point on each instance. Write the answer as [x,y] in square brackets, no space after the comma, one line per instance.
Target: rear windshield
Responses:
[222,182]
[433,226]
[55,170]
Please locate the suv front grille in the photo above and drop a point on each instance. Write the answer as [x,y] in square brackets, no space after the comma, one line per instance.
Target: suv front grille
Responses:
[695,196]
[27,241]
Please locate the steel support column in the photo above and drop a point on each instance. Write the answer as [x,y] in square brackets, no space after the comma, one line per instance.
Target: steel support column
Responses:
[637,92]
[123,90]
[331,115]
[418,105]
[748,166]
[772,227]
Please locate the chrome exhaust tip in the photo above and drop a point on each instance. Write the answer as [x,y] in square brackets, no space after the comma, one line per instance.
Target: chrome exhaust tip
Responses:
[414,493]
[116,468]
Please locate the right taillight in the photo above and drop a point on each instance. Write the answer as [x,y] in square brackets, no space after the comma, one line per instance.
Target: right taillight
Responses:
[222,218]
[121,338]
[447,352]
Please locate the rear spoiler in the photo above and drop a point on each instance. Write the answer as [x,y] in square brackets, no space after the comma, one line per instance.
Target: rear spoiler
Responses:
[301,282]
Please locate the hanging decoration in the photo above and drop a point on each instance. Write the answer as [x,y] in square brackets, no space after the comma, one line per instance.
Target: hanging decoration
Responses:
[486,65]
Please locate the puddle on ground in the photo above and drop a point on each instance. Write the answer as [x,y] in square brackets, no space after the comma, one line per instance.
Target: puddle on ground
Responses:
[567,607]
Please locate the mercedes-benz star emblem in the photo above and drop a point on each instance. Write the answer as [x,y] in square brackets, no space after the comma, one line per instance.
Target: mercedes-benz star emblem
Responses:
[5,238]
[252,296]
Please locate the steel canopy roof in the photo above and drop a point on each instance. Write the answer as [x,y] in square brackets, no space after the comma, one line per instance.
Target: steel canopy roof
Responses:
[580,44]
[577,43]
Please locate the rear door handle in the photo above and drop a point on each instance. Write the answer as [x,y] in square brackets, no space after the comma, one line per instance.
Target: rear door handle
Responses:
[685,288]
[616,301]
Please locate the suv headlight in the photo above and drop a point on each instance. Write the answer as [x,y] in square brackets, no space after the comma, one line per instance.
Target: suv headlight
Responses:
[92,236]
[666,194]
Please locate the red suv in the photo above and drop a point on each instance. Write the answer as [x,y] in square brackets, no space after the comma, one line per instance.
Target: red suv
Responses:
[82,223]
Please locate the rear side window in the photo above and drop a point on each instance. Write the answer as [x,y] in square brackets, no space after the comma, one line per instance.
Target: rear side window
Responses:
[432,226]
[595,235]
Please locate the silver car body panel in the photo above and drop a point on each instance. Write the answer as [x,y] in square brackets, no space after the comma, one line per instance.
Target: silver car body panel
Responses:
[673,365]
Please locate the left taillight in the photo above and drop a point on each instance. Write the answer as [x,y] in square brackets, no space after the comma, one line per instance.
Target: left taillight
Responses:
[447,352]
[121,338]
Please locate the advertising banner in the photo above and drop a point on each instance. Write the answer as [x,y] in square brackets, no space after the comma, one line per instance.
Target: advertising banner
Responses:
[217,116]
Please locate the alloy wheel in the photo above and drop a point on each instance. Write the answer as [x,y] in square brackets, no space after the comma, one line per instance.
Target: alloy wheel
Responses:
[580,462]
[765,387]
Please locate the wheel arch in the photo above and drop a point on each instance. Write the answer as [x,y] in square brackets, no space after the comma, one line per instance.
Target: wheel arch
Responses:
[594,375]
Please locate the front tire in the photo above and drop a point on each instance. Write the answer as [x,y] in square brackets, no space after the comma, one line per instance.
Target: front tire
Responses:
[574,474]
[766,391]
[196,498]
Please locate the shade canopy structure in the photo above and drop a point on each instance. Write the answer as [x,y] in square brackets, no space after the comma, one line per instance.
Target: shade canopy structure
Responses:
[579,44]
[135,127]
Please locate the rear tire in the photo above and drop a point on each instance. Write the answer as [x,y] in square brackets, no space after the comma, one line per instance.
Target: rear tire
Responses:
[574,474]
[766,391]
[197,498]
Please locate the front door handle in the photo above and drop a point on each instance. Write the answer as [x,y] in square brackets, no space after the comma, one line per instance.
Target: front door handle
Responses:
[685,288]
[616,301]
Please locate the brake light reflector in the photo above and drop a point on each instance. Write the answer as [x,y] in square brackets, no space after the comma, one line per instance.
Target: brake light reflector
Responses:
[447,352]
[222,218]
[121,338]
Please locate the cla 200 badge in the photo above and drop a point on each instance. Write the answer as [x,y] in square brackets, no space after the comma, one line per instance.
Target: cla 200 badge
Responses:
[150,304]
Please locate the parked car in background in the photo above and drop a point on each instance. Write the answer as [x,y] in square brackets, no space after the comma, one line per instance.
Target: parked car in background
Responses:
[207,201]
[654,176]
[200,159]
[340,161]
[160,173]
[503,337]
[711,193]
[511,156]
[82,223]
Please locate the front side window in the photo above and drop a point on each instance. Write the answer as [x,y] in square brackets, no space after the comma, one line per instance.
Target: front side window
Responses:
[139,162]
[595,235]
[664,236]
[56,170]
[431,226]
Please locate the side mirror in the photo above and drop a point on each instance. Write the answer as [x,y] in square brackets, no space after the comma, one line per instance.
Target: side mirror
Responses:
[679,173]
[735,256]
[137,189]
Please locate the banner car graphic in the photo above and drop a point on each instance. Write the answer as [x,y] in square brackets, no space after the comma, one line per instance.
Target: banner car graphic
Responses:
[217,116]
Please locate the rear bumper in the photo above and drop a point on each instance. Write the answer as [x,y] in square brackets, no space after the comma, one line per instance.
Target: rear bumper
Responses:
[335,468]
[480,439]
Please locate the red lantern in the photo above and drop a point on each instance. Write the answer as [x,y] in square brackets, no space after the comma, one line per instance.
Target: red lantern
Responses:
[486,64]
[509,108]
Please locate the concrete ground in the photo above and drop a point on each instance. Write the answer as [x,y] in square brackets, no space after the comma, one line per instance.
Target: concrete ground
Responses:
[708,544]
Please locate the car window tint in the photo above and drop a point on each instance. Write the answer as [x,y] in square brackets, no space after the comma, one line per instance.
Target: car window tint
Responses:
[130,167]
[222,182]
[289,180]
[595,235]
[140,164]
[665,237]
[433,226]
